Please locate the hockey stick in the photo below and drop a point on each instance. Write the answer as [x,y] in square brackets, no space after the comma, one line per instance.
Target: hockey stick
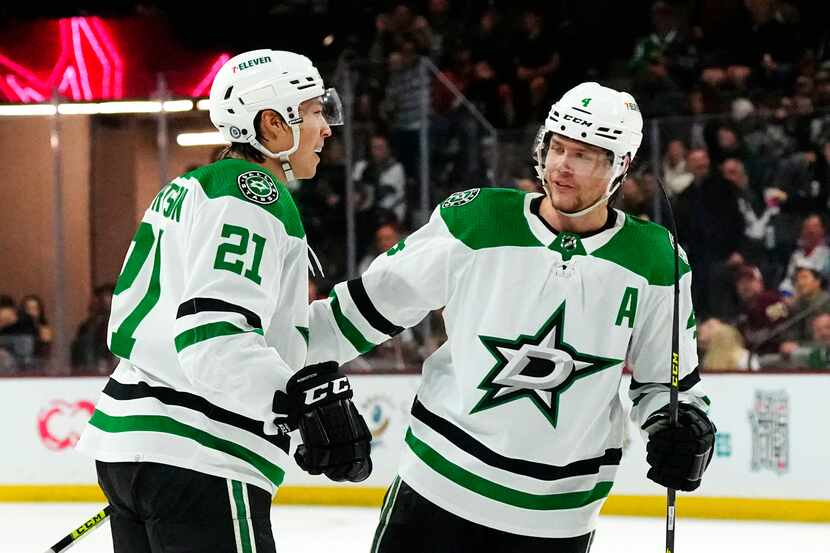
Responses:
[72,537]
[671,498]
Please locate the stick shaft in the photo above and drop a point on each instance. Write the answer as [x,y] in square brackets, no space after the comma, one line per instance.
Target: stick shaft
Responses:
[674,386]
[72,537]
[671,499]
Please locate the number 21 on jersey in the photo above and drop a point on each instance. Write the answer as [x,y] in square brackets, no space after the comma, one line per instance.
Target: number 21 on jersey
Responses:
[230,256]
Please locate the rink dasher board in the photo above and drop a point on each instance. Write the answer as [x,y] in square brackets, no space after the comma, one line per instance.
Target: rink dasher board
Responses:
[769,458]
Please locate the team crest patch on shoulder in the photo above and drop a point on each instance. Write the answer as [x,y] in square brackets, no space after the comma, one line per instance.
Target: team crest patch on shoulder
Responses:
[461,198]
[258,187]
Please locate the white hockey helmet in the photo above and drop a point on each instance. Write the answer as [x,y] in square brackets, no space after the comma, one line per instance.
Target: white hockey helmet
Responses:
[268,79]
[599,116]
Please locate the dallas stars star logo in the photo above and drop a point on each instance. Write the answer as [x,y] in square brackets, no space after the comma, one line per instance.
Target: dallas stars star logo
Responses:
[539,368]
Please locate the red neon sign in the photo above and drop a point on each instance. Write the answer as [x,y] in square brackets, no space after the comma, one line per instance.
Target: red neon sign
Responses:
[203,87]
[89,66]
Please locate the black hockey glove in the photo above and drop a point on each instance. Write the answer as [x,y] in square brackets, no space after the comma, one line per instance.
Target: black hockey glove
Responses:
[318,401]
[679,455]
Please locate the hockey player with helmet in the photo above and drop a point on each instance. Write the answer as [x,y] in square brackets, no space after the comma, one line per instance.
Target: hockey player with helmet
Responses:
[517,428]
[210,320]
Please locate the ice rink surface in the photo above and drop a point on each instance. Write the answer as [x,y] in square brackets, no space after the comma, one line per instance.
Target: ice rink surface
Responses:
[33,527]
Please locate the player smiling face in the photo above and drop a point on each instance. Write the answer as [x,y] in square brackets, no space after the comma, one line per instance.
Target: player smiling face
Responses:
[313,132]
[577,173]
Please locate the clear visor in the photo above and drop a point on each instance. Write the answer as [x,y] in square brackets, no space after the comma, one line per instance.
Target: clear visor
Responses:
[332,107]
[561,154]
[540,144]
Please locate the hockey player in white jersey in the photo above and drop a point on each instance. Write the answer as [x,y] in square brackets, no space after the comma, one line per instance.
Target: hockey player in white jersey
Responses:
[517,428]
[210,320]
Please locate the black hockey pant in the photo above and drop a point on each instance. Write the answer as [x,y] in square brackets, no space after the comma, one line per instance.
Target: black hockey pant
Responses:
[164,509]
[411,524]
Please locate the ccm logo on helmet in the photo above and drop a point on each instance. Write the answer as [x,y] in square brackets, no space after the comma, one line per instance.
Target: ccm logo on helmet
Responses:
[320,392]
[250,63]
[576,120]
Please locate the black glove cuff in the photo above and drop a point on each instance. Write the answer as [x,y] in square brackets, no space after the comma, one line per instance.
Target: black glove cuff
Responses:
[686,413]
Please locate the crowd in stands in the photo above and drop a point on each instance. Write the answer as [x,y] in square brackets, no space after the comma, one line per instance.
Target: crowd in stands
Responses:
[89,353]
[736,98]
[26,338]
[25,334]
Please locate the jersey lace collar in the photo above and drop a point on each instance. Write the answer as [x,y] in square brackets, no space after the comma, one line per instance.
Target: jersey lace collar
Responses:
[551,237]
[610,222]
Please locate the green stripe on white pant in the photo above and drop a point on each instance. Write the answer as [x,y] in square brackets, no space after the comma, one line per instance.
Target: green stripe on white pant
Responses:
[243,528]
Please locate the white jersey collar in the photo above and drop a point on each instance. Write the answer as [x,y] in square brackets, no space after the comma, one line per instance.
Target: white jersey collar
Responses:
[546,236]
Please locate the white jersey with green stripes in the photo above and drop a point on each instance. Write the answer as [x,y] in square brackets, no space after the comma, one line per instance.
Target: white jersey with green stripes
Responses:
[209,319]
[517,424]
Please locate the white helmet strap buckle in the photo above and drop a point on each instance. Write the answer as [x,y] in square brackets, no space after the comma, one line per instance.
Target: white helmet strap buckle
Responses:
[282,156]
[286,169]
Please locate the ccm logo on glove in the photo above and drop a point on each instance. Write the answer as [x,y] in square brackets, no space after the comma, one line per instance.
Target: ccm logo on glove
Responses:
[322,391]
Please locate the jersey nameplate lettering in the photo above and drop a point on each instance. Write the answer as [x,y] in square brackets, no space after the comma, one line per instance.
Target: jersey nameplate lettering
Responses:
[169,201]
[258,187]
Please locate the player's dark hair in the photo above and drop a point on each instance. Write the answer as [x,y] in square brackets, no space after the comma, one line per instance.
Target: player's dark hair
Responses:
[244,150]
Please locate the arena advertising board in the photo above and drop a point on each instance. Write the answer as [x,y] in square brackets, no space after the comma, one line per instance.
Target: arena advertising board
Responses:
[769,443]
